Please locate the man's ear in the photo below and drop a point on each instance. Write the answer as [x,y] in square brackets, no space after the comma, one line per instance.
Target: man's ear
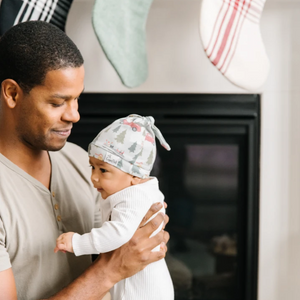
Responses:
[10,92]
[135,180]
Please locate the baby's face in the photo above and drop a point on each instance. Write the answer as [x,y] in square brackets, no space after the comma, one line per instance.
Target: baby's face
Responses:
[108,179]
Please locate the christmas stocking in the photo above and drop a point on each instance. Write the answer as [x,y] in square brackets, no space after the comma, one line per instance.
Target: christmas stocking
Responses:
[120,28]
[13,12]
[232,41]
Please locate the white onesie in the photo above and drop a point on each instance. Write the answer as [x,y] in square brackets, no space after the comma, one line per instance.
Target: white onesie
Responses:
[122,213]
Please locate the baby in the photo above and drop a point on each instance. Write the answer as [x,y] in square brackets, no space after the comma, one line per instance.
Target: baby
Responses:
[122,156]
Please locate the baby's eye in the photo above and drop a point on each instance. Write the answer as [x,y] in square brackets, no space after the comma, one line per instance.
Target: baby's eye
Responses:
[103,170]
[92,167]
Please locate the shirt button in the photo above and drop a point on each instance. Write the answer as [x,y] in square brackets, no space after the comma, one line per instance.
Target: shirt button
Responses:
[56,206]
[53,194]
[58,218]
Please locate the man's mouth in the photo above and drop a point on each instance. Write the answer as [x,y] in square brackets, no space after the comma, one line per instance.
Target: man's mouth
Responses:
[63,132]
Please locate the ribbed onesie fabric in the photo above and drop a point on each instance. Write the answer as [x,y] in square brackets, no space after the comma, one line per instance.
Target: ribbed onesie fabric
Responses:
[125,210]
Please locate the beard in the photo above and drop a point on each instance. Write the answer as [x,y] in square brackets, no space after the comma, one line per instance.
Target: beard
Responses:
[41,142]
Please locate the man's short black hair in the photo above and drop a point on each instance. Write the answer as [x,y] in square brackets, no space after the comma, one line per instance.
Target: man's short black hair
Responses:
[30,49]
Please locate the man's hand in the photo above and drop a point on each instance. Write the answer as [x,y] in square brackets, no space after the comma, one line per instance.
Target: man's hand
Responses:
[64,243]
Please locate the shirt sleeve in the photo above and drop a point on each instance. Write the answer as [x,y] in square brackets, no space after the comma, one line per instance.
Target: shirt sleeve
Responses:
[125,219]
[4,256]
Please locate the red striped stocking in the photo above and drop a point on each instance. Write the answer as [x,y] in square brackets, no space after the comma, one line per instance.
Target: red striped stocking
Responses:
[232,40]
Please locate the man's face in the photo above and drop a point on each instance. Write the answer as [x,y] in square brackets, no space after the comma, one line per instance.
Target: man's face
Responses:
[46,114]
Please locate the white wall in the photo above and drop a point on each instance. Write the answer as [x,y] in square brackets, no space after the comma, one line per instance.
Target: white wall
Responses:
[177,63]
[280,161]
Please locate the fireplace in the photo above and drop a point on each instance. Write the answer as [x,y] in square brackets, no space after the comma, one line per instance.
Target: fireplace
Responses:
[210,180]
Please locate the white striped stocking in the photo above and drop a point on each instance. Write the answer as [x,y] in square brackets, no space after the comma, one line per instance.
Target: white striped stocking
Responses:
[232,40]
[13,12]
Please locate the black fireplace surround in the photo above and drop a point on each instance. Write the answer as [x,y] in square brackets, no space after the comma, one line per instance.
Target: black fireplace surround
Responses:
[210,180]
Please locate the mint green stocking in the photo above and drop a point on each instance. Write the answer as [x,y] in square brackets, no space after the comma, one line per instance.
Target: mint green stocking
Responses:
[120,28]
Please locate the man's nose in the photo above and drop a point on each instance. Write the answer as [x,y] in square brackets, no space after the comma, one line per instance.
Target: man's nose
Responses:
[71,113]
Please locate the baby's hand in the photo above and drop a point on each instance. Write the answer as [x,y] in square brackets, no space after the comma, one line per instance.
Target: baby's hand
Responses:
[64,243]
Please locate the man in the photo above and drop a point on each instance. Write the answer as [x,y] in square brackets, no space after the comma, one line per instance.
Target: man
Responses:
[45,188]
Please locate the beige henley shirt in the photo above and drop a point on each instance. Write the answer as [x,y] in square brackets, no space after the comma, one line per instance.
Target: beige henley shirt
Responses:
[32,217]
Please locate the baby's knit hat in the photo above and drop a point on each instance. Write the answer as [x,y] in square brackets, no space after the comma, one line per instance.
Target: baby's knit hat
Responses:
[129,144]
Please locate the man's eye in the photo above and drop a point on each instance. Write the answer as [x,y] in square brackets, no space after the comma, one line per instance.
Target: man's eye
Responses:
[57,104]
[103,170]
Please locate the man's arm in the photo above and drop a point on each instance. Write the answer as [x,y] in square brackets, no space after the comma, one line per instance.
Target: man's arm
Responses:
[111,267]
[8,285]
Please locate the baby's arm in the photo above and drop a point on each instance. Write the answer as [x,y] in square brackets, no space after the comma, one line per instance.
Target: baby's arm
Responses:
[125,219]
[113,234]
